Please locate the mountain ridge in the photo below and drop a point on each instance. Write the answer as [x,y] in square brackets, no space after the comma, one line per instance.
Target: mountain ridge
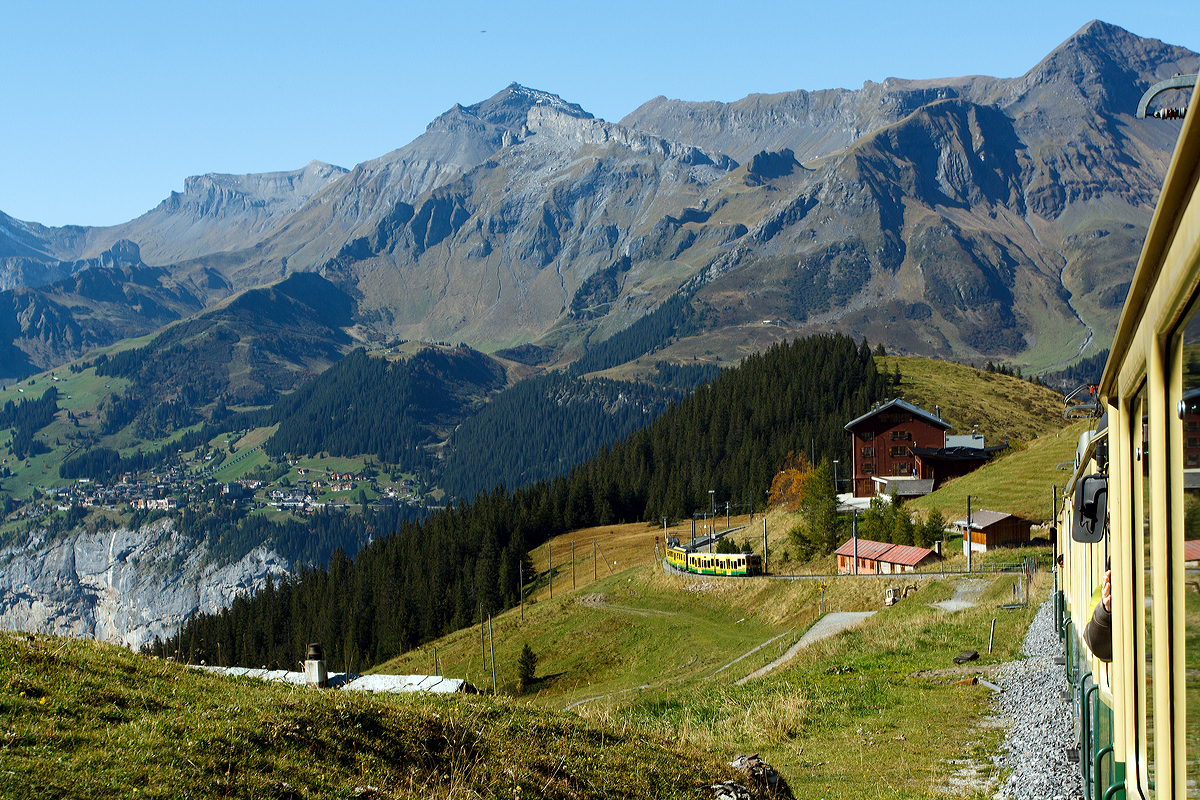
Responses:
[487,227]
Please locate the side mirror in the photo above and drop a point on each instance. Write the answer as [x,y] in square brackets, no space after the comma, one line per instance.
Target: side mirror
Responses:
[1091,509]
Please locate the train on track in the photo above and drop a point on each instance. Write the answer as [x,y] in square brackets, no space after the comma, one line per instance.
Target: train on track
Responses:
[1131,508]
[722,564]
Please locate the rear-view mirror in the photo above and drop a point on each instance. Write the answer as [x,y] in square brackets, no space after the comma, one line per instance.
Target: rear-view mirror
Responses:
[1091,509]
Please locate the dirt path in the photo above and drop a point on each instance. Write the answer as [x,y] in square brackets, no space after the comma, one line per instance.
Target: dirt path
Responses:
[828,625]
[597,601]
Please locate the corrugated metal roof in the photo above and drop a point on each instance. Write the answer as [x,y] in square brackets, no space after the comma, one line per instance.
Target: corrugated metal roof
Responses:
[866,549]
[907,555]
[351,681]
[1191,550]
[982,519]
[902,554]
[905,406]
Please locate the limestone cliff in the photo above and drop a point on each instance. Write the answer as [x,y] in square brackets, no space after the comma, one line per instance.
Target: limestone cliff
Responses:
[119,585]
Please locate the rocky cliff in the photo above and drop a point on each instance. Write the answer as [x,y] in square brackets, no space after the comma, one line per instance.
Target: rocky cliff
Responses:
[121,586]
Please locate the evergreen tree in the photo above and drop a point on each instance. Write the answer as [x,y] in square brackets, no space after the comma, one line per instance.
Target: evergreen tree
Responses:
[933,529]
[526,666]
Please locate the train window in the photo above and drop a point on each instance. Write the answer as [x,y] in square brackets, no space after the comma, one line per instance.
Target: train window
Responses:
[1187,549]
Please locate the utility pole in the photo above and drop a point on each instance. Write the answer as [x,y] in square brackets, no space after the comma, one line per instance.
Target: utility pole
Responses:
[854,528]
[595,573]
[764,544]
[726,515]
[493,638]
[521,581]
[968,536]
[572,564]
[550,559]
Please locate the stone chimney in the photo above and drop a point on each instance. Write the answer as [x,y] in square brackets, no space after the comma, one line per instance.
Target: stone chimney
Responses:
[315,673]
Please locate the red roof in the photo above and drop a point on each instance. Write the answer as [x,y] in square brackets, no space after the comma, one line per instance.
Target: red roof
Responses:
[882,551]
[906,555]
[1191,550]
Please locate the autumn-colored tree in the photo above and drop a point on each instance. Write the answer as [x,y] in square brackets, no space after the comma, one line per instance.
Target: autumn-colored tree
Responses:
[787,488]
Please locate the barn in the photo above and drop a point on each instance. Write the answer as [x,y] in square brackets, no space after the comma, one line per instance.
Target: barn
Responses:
[992,529]
[882,558]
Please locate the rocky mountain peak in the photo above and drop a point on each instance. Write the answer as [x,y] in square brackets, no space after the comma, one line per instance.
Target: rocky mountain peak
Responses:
[122,253]
[510,106]
[1102,68]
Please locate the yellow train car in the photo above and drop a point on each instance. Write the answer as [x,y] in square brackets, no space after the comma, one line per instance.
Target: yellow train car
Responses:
[719,564]
[1132,506]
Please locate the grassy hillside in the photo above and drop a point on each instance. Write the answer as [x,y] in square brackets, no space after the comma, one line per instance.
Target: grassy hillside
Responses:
[1018,483]
[861,715]
[661,654]
[992,404]
[87,719]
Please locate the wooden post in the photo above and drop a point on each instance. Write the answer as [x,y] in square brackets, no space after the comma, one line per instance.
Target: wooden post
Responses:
[595,572]
[572,565]
[521,582]
[550,558]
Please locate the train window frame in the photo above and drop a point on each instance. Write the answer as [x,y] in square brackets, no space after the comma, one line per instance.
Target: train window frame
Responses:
[1138,405]
[1172,620]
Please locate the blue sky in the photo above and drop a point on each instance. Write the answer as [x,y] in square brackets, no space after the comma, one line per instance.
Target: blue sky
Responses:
[107,109]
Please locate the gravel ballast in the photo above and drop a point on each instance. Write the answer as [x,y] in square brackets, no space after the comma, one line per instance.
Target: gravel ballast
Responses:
[1041,723]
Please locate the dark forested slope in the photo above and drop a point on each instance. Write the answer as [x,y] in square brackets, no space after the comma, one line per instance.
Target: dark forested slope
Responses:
[366,405]
[544,426]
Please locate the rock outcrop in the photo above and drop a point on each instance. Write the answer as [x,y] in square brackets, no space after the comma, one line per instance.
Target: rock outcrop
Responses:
[121,586]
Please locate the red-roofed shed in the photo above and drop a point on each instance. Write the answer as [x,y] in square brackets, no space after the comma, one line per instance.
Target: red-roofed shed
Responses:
[881,558]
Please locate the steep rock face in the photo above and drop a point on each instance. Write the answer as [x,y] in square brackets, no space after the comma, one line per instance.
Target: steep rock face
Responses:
[811,124]
[214,213]
[987,189]
[121,586]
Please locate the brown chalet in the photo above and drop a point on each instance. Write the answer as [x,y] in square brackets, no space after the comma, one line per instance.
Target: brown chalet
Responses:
[884,439]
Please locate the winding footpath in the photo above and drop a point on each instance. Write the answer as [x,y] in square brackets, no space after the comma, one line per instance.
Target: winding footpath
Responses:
[832,623]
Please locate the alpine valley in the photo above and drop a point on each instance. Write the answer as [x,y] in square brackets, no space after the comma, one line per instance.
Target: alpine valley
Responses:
[967,219]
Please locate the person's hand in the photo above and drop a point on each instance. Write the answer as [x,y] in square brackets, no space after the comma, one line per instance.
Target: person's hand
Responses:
[1106,592]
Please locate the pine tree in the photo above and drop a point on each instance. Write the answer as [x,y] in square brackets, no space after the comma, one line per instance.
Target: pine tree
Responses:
[933,529]
[526,666]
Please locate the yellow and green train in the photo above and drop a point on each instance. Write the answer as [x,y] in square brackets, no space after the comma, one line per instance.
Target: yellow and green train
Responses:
[1132,506]
[723,564]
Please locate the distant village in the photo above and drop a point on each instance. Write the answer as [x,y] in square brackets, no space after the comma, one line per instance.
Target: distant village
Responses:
[176,488]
